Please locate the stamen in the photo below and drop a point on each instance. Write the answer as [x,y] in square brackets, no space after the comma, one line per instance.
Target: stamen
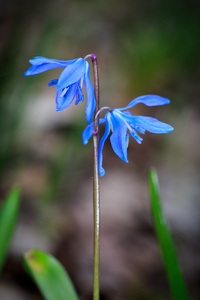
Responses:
[64,92]
[121,117]
[81,83]
[109,120]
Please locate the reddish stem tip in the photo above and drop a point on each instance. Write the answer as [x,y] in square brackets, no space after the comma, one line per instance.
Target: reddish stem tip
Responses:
[94,57]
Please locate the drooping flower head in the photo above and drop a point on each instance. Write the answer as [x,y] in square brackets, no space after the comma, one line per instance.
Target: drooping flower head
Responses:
[70,83]
[122,124]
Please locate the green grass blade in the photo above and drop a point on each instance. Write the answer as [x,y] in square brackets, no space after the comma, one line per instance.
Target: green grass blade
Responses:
[49,275]
[176,282]
[9,212]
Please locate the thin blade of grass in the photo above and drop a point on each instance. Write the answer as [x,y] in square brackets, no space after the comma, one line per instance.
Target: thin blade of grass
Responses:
[49,275]
[8,218]
[174,275]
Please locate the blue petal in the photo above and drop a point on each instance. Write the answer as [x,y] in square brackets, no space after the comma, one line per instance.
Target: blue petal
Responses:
[63,101]
[38,60]
[87,133]
[42,64]
[141,124]
[91,103]
[79,95]
[71,74]
[149,100]
[53,82]
[136,136]
[119,136]
[103,139]
[132,131]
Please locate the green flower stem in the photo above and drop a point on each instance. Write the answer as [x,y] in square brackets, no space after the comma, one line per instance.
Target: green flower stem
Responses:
[96,192]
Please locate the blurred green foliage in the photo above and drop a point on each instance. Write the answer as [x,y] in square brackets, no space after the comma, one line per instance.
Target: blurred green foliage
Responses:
[49,275]
[174,275]
[9,212]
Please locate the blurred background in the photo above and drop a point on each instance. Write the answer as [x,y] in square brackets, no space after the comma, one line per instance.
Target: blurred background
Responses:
[143,47]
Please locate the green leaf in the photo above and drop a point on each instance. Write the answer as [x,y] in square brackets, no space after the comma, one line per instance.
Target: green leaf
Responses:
[176,281]
[50,276]
[8,218]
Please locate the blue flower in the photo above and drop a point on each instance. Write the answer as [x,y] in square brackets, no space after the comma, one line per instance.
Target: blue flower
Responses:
[122,124]
[70,82]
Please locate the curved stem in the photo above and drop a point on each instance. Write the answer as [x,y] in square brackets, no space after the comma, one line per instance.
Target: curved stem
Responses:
[96,191]
[96,118]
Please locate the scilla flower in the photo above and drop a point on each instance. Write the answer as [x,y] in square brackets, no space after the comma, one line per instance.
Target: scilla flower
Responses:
[121,124]
[70,83]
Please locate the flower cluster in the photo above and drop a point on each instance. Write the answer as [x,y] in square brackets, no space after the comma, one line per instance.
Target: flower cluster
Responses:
[121,123]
